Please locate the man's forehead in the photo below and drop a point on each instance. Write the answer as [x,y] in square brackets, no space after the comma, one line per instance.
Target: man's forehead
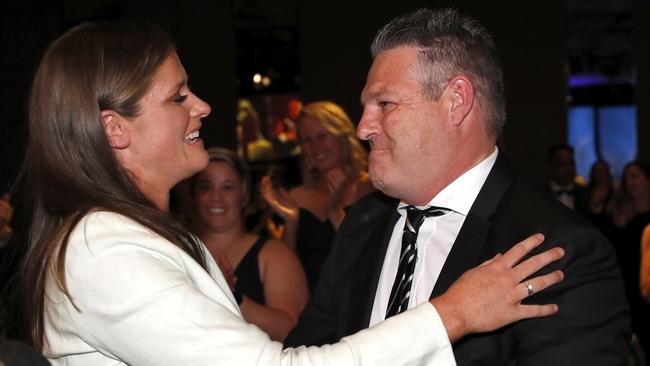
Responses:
[388,78]
[377,90]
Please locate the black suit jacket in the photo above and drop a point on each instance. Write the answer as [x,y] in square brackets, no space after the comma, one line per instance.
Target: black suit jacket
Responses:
[591,328]
[581,198]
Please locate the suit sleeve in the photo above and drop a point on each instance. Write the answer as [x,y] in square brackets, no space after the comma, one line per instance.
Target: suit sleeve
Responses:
[592,326]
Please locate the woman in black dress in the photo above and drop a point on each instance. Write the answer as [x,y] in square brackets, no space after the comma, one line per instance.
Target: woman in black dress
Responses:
[267,278]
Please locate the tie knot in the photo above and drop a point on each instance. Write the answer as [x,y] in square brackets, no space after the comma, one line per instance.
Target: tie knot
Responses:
[415,216]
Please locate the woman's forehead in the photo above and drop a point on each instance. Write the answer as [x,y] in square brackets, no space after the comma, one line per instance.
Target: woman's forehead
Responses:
[170,76]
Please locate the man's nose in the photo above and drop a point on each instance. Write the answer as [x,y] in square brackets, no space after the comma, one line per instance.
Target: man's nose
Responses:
[367,126]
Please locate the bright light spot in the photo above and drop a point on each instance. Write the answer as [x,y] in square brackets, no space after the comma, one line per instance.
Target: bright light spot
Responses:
[257,78]
[266,81]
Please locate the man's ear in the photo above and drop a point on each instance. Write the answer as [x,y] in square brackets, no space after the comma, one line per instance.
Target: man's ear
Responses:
[462,98]
[115,129]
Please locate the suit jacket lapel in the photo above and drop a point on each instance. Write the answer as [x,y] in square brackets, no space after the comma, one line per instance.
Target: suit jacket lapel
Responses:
[466,251]
[367,267]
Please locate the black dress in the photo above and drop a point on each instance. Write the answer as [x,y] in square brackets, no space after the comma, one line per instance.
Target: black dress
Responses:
[627,242]
[313,242]
[248,273]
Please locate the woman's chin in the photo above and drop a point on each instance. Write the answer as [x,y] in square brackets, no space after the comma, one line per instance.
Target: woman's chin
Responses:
[199,161]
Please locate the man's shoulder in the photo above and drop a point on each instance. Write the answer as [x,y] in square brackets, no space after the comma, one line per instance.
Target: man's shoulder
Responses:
[527,209]
[375,201]
[524,196]
[370,217]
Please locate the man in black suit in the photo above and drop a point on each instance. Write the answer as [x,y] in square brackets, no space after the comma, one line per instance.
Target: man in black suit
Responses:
[433,108]
[562,179]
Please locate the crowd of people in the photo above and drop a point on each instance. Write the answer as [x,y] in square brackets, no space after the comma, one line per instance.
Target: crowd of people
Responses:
[621,210]
[431,239]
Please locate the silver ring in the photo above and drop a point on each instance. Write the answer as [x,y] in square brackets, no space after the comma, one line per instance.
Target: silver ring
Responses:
[529,287]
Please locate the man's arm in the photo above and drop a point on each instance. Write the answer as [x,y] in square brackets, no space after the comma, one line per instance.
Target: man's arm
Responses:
[491,295]
[593,324]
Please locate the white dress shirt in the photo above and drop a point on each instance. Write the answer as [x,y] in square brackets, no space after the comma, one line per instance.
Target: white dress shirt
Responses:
[137,299]
[435,238]
[563,195]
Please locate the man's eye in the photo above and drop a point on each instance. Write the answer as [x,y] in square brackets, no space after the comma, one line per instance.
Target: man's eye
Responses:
[384,104]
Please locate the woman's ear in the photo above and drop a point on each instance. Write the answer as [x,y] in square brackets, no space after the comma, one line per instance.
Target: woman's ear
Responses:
[115,130]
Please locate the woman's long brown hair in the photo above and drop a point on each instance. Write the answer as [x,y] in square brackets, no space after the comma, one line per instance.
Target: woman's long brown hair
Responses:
[69,169]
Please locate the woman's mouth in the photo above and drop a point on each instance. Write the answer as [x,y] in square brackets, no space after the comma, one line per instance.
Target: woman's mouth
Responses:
[192,137]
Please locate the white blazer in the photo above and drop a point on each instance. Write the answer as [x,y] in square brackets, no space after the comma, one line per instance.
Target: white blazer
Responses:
[140,300]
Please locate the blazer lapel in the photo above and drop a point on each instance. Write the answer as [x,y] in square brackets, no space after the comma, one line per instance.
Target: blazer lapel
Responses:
[367,267]
[466,251]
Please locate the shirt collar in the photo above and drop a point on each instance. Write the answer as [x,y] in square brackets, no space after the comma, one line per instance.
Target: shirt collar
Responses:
[556,187]
[460,194]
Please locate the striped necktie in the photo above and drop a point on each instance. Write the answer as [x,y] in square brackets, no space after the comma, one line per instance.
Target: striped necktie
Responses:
[401,291]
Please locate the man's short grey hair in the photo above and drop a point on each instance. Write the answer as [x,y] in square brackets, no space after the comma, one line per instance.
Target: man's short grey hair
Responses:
[450,44]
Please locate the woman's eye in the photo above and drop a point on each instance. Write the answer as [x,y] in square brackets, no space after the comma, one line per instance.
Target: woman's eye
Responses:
[180,99]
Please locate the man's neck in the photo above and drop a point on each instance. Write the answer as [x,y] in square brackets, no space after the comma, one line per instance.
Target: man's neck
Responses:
[465,164]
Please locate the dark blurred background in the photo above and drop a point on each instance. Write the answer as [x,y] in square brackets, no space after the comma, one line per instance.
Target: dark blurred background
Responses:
[558,57]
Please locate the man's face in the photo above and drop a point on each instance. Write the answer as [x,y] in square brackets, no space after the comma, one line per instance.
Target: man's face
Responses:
[408,134]
[562,167]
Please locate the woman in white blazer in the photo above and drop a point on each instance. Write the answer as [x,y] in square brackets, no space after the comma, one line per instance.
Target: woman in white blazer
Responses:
[106,277]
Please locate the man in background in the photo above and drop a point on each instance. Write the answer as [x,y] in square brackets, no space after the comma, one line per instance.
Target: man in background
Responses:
[562,183]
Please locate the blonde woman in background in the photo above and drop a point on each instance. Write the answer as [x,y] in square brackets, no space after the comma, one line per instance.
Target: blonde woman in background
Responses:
[334,176]
[252,146]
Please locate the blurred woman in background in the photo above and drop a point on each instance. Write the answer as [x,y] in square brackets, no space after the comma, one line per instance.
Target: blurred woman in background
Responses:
[630,210]
[601,190]
[601,186]
[645,264]
[268,280]
[334,176]
[632,201]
